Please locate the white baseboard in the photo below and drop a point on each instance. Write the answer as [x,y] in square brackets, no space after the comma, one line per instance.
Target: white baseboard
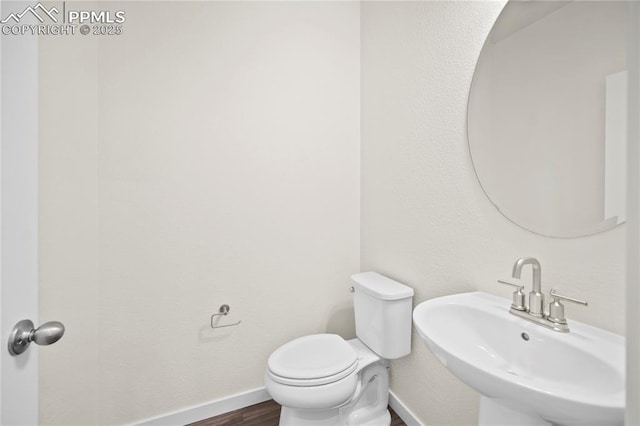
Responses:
[245,399]
[209,409]
[402,411]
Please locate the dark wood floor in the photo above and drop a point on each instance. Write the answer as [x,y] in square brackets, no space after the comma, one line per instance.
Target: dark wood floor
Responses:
[263,414]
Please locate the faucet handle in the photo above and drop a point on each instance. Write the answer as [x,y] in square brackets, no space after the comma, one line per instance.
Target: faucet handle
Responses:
[511,284]
[567,298]
[517,302]
[556,308]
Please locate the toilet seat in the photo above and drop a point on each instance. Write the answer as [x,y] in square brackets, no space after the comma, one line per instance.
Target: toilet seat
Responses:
[313,360]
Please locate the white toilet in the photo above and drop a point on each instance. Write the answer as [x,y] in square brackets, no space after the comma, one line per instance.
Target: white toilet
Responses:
[323,379]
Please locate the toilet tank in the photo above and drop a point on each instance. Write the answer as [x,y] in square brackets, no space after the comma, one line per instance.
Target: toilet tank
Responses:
[383,314]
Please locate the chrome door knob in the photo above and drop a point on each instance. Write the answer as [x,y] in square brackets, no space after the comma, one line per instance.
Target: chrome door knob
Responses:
[24,333]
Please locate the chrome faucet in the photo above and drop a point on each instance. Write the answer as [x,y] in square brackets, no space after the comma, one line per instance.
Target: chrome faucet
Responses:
[535,313]
[536,298]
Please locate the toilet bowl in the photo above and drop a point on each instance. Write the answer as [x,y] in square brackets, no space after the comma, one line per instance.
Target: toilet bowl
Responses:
[322,379]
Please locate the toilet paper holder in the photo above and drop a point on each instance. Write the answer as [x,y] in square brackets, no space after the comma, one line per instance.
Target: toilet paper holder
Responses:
[223,311]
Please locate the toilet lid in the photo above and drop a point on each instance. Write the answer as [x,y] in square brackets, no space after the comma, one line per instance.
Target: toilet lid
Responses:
[313,357]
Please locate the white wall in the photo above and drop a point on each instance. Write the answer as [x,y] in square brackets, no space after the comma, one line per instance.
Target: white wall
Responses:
[208,155]
[425,219]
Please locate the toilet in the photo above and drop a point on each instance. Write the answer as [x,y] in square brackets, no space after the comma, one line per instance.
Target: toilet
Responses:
[322,379]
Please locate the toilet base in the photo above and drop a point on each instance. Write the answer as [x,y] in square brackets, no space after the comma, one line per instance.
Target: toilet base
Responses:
[384,419]
[297,417]
[291,417]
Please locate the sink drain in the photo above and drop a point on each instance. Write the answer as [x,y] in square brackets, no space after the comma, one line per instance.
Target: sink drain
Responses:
[525,336]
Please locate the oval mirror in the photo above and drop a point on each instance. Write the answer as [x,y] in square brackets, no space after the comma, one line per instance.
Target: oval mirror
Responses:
[547,115]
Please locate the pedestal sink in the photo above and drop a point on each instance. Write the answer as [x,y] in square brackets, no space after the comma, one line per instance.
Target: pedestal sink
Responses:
[526,374]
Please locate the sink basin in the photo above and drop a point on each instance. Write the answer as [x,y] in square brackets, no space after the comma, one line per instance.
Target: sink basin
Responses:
[523,369]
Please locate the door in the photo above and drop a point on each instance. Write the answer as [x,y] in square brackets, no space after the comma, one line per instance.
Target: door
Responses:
[18,219]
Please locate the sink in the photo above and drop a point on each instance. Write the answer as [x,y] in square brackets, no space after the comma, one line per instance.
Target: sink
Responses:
[525,371]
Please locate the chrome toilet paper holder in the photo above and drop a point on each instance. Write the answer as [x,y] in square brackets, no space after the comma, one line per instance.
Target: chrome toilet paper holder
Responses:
[222,311]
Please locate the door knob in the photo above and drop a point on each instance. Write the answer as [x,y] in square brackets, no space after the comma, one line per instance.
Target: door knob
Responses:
[24,333]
